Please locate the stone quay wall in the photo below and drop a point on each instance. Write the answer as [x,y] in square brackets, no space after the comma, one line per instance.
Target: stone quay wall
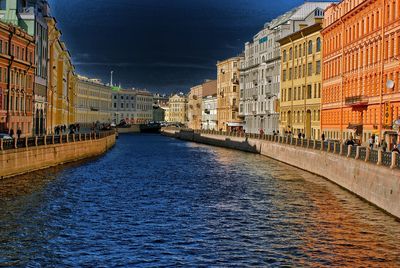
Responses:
[370,175]
[53,151]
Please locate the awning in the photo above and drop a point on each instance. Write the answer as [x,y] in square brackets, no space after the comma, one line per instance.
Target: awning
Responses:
[235,124]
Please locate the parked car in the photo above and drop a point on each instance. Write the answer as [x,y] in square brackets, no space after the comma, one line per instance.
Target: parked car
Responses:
[5,136]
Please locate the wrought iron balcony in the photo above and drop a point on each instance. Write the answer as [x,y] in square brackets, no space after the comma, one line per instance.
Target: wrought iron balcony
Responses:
[235,81]
[356,101]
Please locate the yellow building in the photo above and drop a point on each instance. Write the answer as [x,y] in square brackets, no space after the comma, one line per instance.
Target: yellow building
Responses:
[300,88]
[61,81]
[194,107]
[228,95]
[177,109]
[93,101]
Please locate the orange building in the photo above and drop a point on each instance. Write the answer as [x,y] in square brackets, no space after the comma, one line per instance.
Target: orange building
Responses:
[17,72]
[361,53]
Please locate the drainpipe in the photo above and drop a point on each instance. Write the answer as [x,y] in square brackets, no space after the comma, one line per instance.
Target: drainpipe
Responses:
[10,62]
[341,81]
[382,66]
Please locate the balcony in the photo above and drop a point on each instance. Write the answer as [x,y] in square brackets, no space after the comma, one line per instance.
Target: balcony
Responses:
[255,97]
[356,101]
[235,108]
[235,81]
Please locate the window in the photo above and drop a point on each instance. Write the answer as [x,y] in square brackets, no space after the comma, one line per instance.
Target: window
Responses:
[310,47]
[309,92]
[318,67]
[318,44]
[310,69]
[284,55]
[284,75]
[290,53]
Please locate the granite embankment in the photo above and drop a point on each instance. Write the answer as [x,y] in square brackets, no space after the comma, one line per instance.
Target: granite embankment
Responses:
[27,155]
[372,175]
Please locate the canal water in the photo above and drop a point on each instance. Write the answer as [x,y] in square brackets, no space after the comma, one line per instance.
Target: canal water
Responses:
[153,201]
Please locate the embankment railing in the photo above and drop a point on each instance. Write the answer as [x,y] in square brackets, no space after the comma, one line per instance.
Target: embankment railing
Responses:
[378,157]
[27,142]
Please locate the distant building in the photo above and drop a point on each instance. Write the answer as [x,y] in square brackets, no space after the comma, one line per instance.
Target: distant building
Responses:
[131,106]
[17,76]
[160,104]
[93,101]
[177,112]
[228,95]
[209,106]
[194,111]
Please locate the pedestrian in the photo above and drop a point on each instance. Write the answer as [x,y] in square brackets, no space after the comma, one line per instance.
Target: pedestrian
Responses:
[261,131]
[19,132]
[371,143]
[384,145]
[12,133]
[304,136]
[323,136]
[299,135]
[395,149]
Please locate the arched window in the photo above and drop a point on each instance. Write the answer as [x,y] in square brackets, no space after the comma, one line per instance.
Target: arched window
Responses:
[284,55]
[290,53]
[318,44]
[310,48]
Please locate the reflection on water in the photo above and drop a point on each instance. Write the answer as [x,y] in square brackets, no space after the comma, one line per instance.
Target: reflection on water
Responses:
[154,201]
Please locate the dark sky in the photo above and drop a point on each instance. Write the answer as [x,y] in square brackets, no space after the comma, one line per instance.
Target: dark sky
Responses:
[161,45]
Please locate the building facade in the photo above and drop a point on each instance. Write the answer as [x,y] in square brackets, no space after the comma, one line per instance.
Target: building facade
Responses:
[228,94]
[31,16]
[93,101]
[360,91]
[261,66]
[131,106]
[160,103]
[195,107]
[17,74]
[209,106]
[61,80]
[301,54]
[177,112]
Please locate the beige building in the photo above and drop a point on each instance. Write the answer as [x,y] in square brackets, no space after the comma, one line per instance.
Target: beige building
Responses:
[177,112]
[195,107]
[93,101]
[300,106]
[61,80]
[228,95]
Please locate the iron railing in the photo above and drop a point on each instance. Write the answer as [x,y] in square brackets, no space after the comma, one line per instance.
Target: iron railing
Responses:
[371,156]
[8,144]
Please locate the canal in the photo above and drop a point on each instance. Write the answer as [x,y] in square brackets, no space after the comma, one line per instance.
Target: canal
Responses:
[154,201]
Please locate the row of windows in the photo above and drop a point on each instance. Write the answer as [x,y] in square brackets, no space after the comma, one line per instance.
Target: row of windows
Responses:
[143,107]
[299,116]
[17,102]
[300,93]
[17,51]
[368,85]
[300,51]
[300,71]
